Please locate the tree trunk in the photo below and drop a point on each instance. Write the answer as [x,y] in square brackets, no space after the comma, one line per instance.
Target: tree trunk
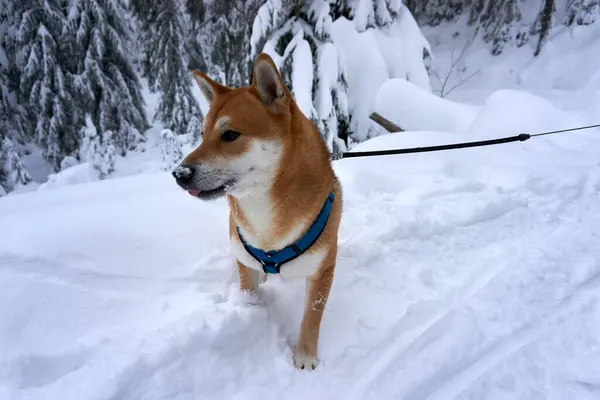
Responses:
[385,123]
[546,22]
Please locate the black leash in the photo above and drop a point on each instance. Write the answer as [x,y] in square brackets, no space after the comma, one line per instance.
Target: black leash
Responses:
[518,138]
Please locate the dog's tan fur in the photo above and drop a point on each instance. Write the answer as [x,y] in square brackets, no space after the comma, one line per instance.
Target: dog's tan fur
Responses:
[267,111]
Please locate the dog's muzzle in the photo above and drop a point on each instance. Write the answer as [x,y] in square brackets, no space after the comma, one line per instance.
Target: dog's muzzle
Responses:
[199,183]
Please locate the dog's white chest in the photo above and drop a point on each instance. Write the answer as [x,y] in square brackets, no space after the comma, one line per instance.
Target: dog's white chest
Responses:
[301,267]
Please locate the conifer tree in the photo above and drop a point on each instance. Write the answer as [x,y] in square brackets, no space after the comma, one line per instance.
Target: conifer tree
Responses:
[308,61]
[195,20]
[231,30]
[582,12]
[98,150]
[166,63]
[170,150]
[367,13]
[44,85]
[3,174]
[14,173]
[103,76]
[437,11]
[545,22]
[502,22]
[11,111]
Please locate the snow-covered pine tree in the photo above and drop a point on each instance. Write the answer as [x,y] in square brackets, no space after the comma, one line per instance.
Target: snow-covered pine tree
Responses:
[544,20]
[582,12]
[5,122]
[145,14]
[436,11]
[195,19]
[341,8]
[98,150]
[3,175]
[194,130]
[44,86]
[170,150]
[177,105]
[104,77]
[367,13]
[166,62]
[108,154]
[502,22]
[90,143]
[14,171]
[297,36]
[231,27]
[12,112]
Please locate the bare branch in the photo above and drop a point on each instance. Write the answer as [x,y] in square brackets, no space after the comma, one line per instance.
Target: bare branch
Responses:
[454,61]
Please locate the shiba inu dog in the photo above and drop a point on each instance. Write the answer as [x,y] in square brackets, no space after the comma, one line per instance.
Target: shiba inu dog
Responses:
[270,162]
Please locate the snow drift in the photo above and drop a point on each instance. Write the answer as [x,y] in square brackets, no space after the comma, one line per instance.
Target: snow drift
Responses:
[461,274]
[372,57]
[413,108]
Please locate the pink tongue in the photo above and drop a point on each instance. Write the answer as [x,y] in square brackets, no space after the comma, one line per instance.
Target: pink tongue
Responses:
[194,192]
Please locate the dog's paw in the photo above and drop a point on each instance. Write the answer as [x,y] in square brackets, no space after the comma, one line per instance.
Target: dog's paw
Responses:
[245,297]
[305,361]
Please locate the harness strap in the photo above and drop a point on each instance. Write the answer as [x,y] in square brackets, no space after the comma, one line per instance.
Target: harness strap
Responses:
[272,260]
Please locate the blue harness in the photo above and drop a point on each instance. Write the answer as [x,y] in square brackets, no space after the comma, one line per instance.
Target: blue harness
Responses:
[272,260]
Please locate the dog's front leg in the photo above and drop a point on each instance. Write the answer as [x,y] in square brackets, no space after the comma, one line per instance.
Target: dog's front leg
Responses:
[317,292]
[249,278]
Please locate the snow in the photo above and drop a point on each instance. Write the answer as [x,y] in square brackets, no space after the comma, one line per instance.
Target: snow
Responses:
[77,174]
[413,108]
[328,77]
[374,56]
[463,274]
[318,11]
[267,18]
[366,70]
[363,15]
[401,44]
[302,75]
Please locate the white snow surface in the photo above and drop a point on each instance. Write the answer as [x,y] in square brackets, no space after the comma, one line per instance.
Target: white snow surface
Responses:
[461,274]
[77,174]
[374,56]
[302,76]
[465,274]
[413,108]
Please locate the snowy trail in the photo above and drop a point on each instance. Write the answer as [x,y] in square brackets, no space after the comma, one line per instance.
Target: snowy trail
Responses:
[459,379]
[468,274]
[457,300]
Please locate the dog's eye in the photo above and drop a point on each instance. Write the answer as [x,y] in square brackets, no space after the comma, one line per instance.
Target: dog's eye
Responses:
[230,136]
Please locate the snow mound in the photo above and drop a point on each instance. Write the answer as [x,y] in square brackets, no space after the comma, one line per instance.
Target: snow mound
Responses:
[510,112]
[460,274]
[467,273]
[364,78]
[374,56]
[77,174]
[413,108]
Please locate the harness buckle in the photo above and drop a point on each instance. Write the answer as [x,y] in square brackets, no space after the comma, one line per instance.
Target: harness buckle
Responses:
[270,268]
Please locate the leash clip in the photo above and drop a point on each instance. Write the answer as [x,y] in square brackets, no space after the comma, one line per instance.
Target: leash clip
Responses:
[270,268]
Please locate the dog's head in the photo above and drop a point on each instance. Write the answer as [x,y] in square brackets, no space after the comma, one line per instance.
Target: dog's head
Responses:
[244,132]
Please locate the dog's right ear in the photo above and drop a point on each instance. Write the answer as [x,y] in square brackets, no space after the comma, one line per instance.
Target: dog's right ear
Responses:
[268,82]
[209,88]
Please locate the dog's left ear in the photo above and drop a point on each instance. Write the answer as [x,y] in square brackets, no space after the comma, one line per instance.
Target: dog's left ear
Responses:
[268,82]
[210,88]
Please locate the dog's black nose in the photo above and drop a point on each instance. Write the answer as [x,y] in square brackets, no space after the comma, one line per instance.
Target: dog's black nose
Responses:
[183,174]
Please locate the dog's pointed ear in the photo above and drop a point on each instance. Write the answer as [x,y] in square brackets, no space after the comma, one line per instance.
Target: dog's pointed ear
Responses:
[267,81]
[209,88]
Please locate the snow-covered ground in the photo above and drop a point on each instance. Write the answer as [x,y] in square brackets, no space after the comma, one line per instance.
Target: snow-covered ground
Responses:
[467,274]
